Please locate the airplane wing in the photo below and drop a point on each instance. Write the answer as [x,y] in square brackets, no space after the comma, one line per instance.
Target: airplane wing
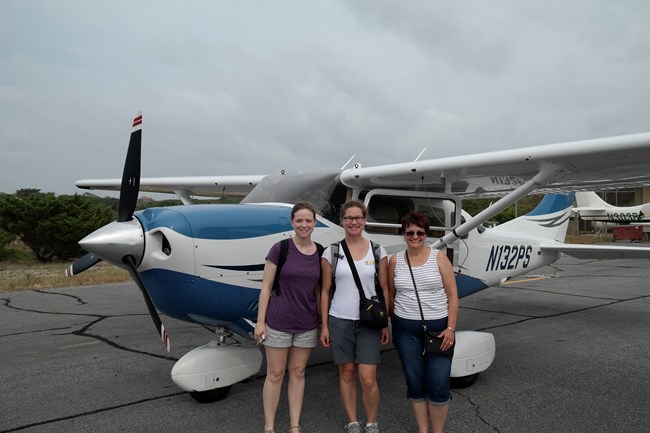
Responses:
[184,187]
[589,164]
[580,251]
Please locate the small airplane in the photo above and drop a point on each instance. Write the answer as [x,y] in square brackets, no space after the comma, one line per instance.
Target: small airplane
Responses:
[203,263]
[593,208]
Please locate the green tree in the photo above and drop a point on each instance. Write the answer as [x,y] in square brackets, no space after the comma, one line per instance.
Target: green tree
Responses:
[51,226]
[523,206]
[5,240]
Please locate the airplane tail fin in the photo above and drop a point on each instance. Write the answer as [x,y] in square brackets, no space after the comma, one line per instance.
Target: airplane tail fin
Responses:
[549,220]
[589,199]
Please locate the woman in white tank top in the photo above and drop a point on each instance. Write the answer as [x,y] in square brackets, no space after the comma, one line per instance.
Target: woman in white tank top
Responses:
[426,374]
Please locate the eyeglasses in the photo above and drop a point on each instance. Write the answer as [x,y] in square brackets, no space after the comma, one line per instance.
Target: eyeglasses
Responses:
[354,218]
[419,233]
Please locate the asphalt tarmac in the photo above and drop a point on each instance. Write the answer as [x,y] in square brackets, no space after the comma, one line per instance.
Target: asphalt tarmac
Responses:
[572,356]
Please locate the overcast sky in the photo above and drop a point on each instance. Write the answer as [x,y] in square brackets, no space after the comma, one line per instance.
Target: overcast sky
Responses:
[255,87]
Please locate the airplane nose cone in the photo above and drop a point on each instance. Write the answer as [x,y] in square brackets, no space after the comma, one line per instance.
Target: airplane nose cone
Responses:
[116,240]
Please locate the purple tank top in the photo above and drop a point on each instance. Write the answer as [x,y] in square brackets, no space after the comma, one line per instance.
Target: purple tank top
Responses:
[295,309]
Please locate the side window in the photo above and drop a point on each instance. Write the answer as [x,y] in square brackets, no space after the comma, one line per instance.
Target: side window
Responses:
[387,212]
[386,208]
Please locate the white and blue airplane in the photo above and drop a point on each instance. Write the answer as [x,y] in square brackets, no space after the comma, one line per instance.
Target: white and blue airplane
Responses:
[591,207]
[203,263]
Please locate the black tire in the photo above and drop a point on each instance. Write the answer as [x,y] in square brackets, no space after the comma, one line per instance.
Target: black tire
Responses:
[211,395]
[463,382]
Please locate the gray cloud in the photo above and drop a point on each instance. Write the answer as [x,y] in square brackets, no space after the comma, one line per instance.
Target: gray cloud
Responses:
[246,88]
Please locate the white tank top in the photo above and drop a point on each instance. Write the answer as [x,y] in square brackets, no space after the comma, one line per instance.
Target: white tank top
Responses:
[430,289]
[345,303]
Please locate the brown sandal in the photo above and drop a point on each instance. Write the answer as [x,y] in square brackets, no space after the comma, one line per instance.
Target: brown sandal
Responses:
[291,429]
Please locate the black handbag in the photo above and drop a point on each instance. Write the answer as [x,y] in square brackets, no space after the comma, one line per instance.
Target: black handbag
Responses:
[372,312]
[431,343]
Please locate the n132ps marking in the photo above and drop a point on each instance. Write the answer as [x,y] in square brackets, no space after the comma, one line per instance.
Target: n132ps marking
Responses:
[508,257]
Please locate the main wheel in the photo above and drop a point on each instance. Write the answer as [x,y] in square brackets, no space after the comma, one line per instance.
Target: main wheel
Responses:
[463,382]
[211,395]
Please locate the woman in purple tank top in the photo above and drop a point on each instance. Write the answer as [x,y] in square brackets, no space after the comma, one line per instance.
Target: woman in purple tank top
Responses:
[287,317]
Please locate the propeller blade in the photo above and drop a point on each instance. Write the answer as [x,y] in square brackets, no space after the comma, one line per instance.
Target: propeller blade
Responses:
[80,265]
[129,261]
[131,175]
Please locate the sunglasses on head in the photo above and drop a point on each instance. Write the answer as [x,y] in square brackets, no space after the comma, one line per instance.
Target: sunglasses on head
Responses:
[419,233]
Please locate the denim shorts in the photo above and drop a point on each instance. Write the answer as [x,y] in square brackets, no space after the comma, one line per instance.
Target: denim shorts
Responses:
[427,376]
[351,342]
[275,338]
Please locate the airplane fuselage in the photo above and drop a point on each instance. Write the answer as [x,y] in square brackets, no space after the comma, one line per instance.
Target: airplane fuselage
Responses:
[204,263]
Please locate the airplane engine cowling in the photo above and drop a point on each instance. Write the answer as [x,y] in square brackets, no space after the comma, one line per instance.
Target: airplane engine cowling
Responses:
[474,353]
[216,365]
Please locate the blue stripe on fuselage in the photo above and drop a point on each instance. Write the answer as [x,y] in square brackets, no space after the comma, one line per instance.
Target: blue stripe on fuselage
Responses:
[468,285]
[187,298]
[220,221]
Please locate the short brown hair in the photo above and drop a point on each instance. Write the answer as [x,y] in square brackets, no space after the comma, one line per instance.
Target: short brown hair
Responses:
[300,206]
[417,218]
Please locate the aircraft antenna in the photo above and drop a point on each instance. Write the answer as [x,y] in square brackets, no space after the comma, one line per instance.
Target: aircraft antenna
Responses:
[420,154]
[348,161]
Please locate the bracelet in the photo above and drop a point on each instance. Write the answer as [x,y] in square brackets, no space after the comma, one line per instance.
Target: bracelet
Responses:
[451,329]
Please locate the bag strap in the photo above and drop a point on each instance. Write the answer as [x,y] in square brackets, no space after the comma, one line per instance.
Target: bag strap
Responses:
[408,262]
[353,268]
[378,289]
[334,249]
[282,258]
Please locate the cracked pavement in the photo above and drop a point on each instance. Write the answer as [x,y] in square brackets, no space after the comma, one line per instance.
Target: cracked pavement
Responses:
[572,355]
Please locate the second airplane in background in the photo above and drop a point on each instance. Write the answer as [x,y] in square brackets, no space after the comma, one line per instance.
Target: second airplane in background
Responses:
[591,207]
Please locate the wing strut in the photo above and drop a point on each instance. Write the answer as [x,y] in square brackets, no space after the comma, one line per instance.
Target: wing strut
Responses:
[547,172]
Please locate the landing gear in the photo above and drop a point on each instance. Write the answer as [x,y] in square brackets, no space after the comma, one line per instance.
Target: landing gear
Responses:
[211,395]
[474,353]
[463,382]
[208,372]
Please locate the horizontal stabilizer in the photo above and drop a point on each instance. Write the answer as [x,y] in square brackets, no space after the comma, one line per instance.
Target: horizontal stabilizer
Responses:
[581,251]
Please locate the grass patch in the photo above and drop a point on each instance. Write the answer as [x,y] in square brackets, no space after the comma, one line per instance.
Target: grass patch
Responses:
[21,271]
[29,275]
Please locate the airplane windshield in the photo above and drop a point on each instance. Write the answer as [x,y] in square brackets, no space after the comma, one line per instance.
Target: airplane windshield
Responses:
[323,190]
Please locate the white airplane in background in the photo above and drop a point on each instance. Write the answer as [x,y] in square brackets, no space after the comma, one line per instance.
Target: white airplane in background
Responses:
[203,263]
[593,208]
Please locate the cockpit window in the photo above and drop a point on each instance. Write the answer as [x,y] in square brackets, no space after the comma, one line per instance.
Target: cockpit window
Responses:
[323,190]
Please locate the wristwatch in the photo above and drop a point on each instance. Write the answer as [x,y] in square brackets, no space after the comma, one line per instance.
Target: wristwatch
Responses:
[451,329]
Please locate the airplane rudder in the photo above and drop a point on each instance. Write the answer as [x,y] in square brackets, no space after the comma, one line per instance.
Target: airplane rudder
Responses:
[552,203]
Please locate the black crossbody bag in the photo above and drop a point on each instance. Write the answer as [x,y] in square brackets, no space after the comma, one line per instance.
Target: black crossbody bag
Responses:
[372,312]
[432,344]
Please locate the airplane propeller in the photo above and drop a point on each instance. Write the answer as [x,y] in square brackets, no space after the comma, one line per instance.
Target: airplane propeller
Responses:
[129,261]
[131,175]
[121,242]
[80,265]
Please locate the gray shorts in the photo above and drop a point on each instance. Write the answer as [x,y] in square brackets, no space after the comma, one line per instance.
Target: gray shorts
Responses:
[351,342]
[276,338]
